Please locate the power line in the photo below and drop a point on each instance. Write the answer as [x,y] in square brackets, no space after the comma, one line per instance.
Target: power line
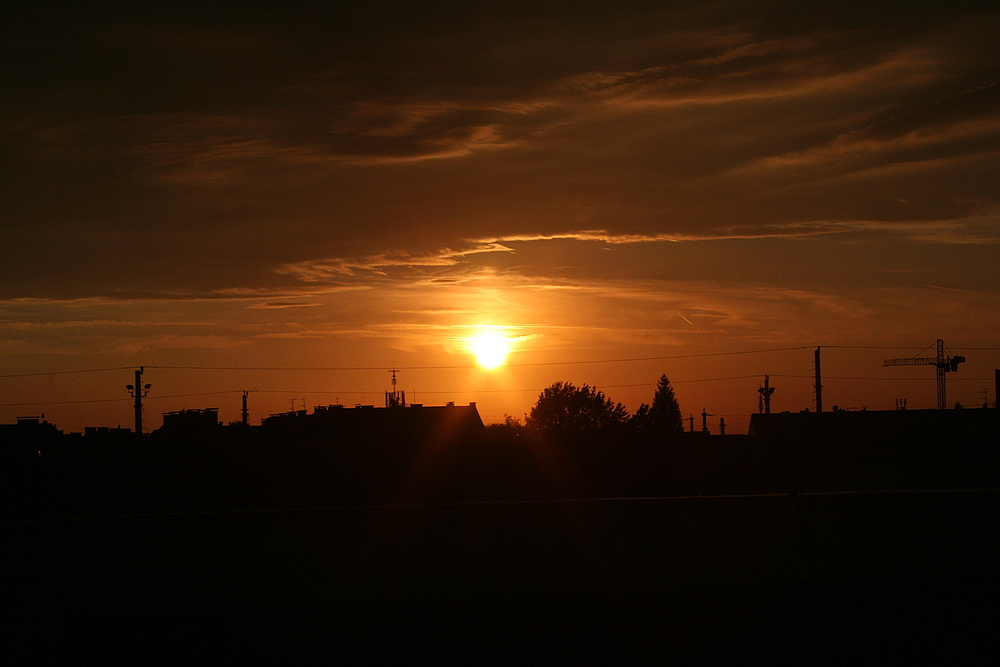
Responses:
[881,379]
[466,366]
[300,392]
[204,393]
[495,391]
[88,370]
[735,377]
[463,366]
[900,347]
[118,400]
[675,356]
[406,368]
[43,403]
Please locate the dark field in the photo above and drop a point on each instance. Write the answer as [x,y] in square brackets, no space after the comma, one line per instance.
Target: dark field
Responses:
[500,553]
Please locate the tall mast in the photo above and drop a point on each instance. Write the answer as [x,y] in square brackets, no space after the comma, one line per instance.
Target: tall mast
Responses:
[138,391]
[819,385]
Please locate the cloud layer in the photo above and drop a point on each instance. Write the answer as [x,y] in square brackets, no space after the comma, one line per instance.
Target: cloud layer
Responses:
[601,177]
[201,152]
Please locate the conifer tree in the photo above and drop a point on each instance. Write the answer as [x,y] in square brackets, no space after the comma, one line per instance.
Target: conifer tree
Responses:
[664,415]
[665,409]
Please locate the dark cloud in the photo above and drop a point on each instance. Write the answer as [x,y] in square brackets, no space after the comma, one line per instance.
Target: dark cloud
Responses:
[204,150]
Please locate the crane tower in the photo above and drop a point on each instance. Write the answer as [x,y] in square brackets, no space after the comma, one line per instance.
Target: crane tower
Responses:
[942,362]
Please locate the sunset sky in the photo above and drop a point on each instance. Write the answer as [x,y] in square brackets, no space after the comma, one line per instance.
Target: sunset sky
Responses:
[622,189]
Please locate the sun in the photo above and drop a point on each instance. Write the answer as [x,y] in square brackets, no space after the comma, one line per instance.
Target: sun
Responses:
[490,348]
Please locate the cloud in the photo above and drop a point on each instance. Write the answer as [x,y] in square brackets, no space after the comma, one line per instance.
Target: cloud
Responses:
[964,124]
[321,270]
[153,343]
[981,230]
[276,305]
[763,231]
[230,159]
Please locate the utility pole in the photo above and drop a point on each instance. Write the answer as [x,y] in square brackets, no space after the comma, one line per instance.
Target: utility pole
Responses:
[138,391]
[819,385]
[245,413]
[996,387]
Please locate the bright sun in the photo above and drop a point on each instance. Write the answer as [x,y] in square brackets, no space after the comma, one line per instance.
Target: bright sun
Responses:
[490,349]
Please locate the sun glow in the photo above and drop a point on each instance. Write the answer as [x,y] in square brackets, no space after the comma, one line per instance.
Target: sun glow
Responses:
[490,348]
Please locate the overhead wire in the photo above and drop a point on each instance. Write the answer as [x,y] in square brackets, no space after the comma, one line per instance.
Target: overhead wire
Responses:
[466,366]
[300,392]
[86,370]
[403,368]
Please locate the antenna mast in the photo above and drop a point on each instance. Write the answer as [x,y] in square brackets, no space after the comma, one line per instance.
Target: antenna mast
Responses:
[394,398]
[819,385]
[764,404]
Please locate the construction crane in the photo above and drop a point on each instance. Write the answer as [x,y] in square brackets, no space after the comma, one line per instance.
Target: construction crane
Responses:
[942,362]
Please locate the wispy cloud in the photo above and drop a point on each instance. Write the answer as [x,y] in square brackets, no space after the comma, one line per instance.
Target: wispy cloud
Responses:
[276,305]
[618,128]
[321,270]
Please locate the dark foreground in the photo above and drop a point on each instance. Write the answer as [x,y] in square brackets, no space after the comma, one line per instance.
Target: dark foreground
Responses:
[753,550]
[869,576]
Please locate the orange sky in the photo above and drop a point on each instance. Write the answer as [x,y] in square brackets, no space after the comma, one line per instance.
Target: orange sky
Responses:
[254,187]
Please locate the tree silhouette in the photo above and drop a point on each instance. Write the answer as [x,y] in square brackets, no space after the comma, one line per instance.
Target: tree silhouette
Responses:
[664,416]
[564,408]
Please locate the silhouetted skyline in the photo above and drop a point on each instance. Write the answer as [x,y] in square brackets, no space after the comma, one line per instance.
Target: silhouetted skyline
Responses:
[267,187]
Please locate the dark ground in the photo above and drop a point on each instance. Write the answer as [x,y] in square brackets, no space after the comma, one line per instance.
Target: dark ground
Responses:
[507,554]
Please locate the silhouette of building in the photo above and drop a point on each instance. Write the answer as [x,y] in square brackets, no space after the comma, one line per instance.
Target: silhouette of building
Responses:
[28,436]
[878,426]
[894,449]
[205,419]
[367,422]
[107,435]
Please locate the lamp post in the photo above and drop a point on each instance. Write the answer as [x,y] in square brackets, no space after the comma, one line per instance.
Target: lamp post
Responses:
[138,391]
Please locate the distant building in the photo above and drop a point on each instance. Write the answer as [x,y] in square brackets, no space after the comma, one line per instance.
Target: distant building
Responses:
[28,436]
[869,449]
[328,423]
[107,435]
[184,421]
[188,423]
[878,426]
[367,421]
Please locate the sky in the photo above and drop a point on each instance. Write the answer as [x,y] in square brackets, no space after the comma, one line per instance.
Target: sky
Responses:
[706,190]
